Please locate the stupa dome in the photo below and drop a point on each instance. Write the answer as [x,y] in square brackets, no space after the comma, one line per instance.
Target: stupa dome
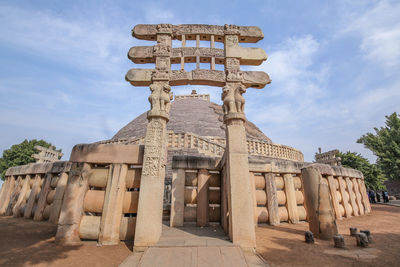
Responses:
[191,114]
[196,127]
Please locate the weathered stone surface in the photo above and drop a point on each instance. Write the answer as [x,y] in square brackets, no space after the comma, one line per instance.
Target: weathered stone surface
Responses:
[362,240]
[353,231]
[368,234]
[318,204]
[194,116]
[338,241]
[107,153]
[309,237]
[248,34]
[113,205]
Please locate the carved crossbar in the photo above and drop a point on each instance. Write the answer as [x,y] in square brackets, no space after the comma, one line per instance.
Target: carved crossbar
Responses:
[163,55]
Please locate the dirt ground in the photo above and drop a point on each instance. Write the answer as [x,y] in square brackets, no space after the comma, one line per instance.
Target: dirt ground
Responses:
[284,245]
[28,243]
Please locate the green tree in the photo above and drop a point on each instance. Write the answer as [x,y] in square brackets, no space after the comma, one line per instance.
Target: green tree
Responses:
[385,144]
[373,175]
[20,154]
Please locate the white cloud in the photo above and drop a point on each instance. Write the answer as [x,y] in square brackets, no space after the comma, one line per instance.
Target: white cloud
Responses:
[83,44]
[379,28]
[297,81]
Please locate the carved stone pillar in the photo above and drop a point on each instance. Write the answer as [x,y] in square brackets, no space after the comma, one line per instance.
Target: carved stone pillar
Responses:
[241,212]
[150,208]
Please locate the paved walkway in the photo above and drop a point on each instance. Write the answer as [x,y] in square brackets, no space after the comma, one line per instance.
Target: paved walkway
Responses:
[391,203]
[194,247]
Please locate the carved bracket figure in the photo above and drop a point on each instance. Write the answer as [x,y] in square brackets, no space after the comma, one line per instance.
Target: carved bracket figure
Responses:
[160,99]
[233,99]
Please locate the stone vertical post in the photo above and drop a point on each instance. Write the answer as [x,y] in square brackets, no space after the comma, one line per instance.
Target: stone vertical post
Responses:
[291,203]
[202,197]
[113,203]
[58,198]
[150,208]
[14,195]
[253,192]
[272,199]
[345,199]
[241,210]
[358,196]
[335,201]
[3,189]
[351,196]
[32,197]
[8,185]
[363,191]
[177,198]
[72,206]
[317,200]
[41,204]
[22,195]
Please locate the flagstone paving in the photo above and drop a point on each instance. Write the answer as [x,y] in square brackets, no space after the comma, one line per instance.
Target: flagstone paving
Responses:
[194,247]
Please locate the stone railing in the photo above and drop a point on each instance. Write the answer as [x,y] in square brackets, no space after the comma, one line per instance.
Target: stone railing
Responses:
[196,191]
[193,141]
[93,196]
[102,194]
[277,192]
[279,196]
[35,190]
[259,148]
[215,147]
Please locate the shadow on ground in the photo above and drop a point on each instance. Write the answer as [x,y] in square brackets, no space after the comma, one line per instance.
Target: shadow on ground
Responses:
[25,242]
[284,245]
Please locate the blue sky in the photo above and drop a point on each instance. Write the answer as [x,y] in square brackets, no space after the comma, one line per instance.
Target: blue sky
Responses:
[334,67]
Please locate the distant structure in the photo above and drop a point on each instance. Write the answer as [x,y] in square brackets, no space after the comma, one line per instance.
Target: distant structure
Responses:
[193,95]
[328,157]
[46,155]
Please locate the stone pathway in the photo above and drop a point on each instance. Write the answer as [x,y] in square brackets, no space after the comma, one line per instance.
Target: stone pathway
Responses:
[193,247]
[391,203]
